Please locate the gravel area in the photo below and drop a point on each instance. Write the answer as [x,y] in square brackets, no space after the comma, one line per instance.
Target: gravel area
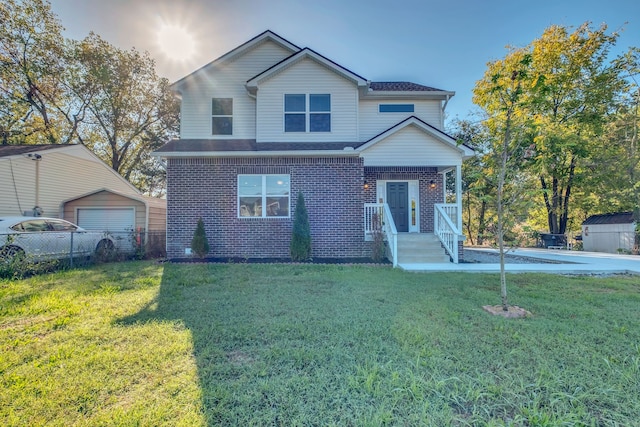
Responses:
[482,257]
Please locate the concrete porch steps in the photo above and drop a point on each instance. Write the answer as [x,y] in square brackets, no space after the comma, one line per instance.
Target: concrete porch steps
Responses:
[418,248]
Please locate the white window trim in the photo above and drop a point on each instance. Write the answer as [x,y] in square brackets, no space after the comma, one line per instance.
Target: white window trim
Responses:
[222,115]
[307,113]
[263,195]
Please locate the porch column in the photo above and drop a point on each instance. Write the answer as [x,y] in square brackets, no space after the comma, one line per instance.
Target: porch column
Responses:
[459,195]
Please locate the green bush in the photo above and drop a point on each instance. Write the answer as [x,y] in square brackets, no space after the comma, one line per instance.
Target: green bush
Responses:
[199,243]
[300,247]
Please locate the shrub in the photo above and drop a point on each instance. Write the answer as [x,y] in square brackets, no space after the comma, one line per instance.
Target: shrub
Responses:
[199,243]
[300,247]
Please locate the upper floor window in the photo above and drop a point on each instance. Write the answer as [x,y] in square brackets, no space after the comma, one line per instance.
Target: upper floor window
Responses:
[222,116]
[396,108]
[302,112]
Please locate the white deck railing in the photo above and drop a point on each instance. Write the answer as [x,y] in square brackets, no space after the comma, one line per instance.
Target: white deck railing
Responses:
[381,212]
[446,216]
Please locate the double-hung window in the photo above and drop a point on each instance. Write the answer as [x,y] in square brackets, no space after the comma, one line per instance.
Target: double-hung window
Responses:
[264,196]
[307,111]
[222,116]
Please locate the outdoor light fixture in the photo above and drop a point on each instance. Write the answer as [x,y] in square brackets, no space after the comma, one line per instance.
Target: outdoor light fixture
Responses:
[366,185]
[432,184]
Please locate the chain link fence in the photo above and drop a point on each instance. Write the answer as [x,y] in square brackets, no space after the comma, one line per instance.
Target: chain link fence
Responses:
[36,252]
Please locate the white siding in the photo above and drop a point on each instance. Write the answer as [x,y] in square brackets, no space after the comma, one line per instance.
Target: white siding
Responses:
[226,81]
[411,147]
[64,174]
[373,123]
[307,76]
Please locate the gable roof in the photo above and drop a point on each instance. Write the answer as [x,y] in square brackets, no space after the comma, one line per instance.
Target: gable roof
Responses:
[610,218]
[425,127]
[20,150]
[146,200]
[260,38]
[299,56]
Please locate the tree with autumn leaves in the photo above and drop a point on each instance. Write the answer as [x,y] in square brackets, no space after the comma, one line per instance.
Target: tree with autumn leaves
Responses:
[577,136]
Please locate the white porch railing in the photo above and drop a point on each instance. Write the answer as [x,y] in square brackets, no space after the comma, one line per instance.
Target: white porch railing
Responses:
[383,214]
[446,216]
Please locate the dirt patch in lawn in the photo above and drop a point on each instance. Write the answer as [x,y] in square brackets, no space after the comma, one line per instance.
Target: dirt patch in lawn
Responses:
[513,312]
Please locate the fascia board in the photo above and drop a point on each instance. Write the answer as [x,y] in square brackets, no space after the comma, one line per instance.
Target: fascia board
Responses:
[408,94]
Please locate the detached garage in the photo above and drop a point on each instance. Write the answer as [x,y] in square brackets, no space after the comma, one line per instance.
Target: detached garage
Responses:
[612,233]
[125,216]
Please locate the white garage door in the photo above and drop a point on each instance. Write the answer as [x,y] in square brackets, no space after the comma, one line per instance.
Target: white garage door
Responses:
[107,219]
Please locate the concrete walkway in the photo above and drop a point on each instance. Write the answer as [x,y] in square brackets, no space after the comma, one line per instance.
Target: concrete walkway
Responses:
[570,262]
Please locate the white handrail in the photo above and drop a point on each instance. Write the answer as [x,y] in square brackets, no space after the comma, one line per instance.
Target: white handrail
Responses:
[447,232]
[386,222]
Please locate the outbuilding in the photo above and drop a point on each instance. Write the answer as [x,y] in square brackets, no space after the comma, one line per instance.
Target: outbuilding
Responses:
[612,233]
[128,217]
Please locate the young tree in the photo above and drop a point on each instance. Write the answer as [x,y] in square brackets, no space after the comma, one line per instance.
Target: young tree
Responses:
[199,243]
[300,247]
[500,94]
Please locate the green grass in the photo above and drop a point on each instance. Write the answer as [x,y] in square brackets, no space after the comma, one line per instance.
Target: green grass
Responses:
[147,344]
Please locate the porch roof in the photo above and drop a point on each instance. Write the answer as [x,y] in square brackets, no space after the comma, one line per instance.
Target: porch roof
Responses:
[250,147]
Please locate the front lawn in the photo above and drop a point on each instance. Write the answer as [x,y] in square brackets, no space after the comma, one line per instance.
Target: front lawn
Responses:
[245,344]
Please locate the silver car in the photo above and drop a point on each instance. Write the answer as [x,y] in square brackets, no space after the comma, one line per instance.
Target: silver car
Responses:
[43,239]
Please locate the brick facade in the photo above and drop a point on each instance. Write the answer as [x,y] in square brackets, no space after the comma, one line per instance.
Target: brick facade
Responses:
[208,188]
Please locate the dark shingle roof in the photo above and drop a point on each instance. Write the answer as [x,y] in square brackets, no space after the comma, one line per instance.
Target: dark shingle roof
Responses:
[244,145]
[610,218]
[401,87]
[16,150]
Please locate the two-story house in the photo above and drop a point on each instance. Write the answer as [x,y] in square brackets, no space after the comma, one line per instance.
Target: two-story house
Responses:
[269,120]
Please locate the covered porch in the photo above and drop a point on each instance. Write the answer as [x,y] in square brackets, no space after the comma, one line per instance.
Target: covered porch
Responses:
[418,214]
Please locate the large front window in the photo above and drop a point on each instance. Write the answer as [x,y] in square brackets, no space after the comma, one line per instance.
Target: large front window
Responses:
[263,196]
[302,112]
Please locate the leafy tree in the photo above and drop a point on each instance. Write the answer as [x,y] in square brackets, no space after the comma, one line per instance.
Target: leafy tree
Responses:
[300,247]
[570,90]
[131,110]
[199,243]
[54,90]
[34,100]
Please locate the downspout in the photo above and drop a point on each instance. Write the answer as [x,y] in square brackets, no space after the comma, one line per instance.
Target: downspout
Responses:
[444,106]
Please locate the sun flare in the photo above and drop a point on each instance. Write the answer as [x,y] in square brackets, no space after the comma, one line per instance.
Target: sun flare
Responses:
[176,42]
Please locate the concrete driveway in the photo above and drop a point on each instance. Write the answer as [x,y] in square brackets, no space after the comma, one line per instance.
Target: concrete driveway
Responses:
[567,262]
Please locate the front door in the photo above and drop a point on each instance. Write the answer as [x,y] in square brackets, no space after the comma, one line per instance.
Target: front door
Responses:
[398,201]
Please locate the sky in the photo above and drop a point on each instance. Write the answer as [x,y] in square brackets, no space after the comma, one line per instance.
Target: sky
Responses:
[443,44]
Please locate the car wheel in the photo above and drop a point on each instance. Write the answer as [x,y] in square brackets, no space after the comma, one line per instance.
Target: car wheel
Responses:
[10,254]
[105,250]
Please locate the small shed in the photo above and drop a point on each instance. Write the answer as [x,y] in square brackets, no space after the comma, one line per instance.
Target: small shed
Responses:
[612,232]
